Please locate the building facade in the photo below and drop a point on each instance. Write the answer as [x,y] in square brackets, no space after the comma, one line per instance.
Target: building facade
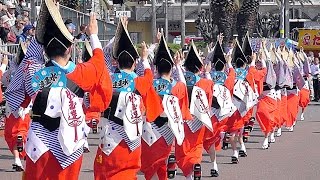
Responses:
[141,15]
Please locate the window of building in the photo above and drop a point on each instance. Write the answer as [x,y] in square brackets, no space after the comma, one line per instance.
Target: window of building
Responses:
[267,1]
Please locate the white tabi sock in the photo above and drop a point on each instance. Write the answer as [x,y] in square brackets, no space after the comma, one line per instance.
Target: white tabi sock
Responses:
[235,154]
[215,165]
[265,142]
[17,162]
[302,117]
[279,132]
[243,147]
[272,139]
[86,145]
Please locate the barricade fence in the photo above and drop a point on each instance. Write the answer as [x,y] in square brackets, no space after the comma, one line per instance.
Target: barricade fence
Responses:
[78,47]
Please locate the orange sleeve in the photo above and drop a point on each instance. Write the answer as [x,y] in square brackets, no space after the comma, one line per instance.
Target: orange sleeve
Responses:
[93,77]
[180,91]
[230,80]
[143,83]
[207,86]
[259,75]
[151,100]
[250,76]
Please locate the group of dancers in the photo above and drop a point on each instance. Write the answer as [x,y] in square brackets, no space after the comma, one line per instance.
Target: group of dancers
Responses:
[157,110]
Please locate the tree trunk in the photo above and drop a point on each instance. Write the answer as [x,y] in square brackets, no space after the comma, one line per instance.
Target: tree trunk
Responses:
[154,20]
[183,25]
[199,10]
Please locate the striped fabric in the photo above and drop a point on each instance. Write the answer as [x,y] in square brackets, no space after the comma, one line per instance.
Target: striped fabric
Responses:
[194,124]
[86,100]
[132,144]
[50,139]
[21,82]
[107,51]
[165,132]
[140,68]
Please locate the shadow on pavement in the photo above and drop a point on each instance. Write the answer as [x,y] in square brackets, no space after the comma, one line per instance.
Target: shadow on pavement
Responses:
[6,157]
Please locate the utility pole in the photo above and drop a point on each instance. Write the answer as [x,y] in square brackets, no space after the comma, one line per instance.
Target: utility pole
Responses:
[183,25]
[282,19]
[166,29]
[199,10]
[287,19]
[33,14]
[154,20]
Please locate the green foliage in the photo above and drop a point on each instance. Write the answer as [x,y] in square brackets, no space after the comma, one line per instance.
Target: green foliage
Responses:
[176,47]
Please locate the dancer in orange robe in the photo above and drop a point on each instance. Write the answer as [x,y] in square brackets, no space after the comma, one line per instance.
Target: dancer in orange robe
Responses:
[305,91]
[258,74]
[119,154]
[293,94]
[57,159]
[18,122]
[267,104]
[156,149]
[283,81]
[223,85]
[243,96]
[189,154]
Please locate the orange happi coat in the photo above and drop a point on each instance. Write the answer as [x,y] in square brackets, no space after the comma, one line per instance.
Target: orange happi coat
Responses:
[122,163]
[190,152]
[99,85]
[154,157]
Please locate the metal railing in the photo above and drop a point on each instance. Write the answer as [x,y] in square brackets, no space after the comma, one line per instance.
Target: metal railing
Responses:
[78,46]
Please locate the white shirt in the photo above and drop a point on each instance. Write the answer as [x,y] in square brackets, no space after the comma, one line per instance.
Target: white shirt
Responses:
[315,69]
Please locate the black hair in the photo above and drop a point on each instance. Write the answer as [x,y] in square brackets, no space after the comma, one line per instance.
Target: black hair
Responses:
[85,55]
[20,57]
[68,21]
[219,66]
[163,67]
[55,48]
[239,63]
[192,68]
[249,60]
[125,61]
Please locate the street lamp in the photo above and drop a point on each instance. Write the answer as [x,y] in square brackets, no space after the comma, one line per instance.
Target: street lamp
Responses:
[166,4]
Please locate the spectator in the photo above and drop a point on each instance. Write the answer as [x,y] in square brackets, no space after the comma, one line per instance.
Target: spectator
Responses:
[82,36]
[18,28]
[315,74]
[6,33]
[11,9]
[22,4]
[2,8]
[25,12]
[25,20]
[28,33]
[71,27]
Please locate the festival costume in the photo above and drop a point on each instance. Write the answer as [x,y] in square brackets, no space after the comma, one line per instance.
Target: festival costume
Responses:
[222,106]
[189,154]
[267,101]
[304,93]
[56,135]
[244,97]
[158,136]
[119,154]
[17,122]
[293,95]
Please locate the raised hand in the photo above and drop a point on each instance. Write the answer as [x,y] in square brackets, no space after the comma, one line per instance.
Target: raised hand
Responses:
[93,25]
[144,51]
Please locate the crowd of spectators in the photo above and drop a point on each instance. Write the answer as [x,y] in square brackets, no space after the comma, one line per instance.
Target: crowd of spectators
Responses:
[15,22]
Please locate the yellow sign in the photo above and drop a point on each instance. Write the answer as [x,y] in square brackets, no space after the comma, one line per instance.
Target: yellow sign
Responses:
[309,39]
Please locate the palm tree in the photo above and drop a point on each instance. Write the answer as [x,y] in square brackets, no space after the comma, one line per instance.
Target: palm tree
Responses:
[73,4]
[224,13]
[246,19]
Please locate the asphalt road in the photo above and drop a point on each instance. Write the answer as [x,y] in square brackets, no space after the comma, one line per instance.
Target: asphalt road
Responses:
[294,156]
